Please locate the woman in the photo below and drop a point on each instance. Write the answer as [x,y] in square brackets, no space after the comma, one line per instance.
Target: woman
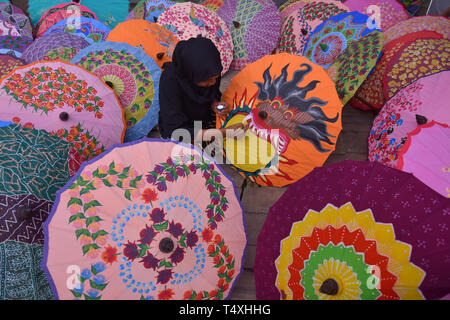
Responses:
[189,91]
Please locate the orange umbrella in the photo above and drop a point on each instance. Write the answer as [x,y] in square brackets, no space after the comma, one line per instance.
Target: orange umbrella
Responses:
[155,40]
[294,116]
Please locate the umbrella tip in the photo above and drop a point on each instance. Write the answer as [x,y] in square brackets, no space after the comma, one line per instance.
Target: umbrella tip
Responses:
[24,213]
[421,119]
[166,245]
[109,83]
[236,24]
[304,32]
[160,55]
[329,287]
[64,116]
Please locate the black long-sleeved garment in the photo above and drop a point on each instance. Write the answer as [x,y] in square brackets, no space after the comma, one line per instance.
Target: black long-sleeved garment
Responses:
[181,101]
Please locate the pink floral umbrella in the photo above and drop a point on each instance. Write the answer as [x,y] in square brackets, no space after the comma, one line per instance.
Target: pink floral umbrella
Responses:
[420,102]
[291,6]
[66,100]
[166,225]
[189,20]
[426,154]
[61,12]
[391,11]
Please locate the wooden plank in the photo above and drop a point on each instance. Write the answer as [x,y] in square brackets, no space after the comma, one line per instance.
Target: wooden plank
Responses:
[245,287]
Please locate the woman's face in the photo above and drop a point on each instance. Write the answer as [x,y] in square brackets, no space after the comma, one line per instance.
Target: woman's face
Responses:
[208,83]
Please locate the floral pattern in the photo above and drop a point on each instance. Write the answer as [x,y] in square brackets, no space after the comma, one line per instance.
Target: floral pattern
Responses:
[62,53]
[91,282]
[9,63]
[14,45]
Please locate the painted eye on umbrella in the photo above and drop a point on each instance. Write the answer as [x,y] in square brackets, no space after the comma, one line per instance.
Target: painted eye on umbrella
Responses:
[64,116]
[263,115]
[288,115]
[276,104]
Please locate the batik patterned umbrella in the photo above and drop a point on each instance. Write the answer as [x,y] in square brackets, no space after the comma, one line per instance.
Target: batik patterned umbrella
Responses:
[301,22]
[149,9]
[352,67]
[89,29]
[294,116]
[133,75]
[426,154]
[155,40]
[355,230]
[54,46]
[166,225]
[331,37]
[370,95]
[14,45]
[437,24]
[188,20]
[60,12]
[422,101]
[390,11]
[33,166]
[8,63]
[15,19]
[255,27]
[67,101]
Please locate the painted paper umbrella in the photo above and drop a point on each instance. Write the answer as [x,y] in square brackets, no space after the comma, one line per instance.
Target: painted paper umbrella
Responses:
[352,67]
[300,23]
[133,75]
[60,12]
[384,13]
[255,28]
[422,101]
[14,22]
[8,63]
[149,9]
[67,101]
[54,46]
[370,94]
[287,8]
[357,231]
[189,20]
[294,118]
[213,5]
[14,45]
[332,37]
[437,24]
[155,40]
[426,154]
[165,225]
[89,29]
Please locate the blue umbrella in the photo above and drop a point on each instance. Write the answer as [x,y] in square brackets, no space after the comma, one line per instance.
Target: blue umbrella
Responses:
[331,38]
[133,75]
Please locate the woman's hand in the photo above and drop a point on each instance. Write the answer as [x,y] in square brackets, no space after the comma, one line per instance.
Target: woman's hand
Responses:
[220,111]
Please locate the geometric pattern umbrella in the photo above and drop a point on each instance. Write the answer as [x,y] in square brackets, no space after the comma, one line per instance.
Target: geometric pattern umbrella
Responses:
[288,135]
[255,27]
[352,67]
[391,12]
[355,230]
[14,45]
[16,19]
[58,45]
[149,9]
[66,100]
[329,39]
[426,154]
[89,29]
[301,22]
[189,20]
[133,75]
[8,63]
[165,225]
[33,167]
[422,101]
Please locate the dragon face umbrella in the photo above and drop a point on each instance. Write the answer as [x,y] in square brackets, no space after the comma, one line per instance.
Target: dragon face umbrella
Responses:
[14,45]
[134,77]
[437,24]
[149,9]
[300,23]
[255,27]
[355,230]
[60,12]
[66,100]
[332,37]
[14,22]
[294,116]
[8,63]
[58,45]
[89,29]
[352,67]
[426,155]
[390,12]
[422,101]
[166,225]
[155,40]
[190,20]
